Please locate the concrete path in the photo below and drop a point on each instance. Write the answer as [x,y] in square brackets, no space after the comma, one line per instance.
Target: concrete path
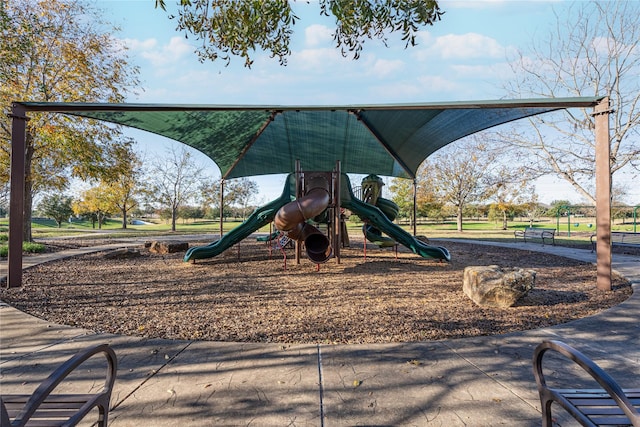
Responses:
[483,381]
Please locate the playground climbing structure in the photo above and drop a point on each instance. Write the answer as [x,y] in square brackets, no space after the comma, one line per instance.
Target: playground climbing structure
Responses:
[318,198]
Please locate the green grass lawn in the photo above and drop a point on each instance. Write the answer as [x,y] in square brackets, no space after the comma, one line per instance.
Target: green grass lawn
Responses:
[478,230]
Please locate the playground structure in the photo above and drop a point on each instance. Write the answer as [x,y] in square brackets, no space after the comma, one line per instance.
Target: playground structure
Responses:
[389,140]
[371,189]
[318,197]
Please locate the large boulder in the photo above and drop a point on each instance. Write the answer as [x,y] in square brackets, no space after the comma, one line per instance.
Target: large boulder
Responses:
[168,247]
[492,286]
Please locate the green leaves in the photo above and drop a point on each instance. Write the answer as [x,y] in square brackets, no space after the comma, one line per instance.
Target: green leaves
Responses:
[239,28]
[60,51]
[57,207]
[361,19]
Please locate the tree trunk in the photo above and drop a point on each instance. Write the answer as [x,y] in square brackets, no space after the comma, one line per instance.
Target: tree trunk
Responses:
[459,218]
[124,218]
[504,220]
[174,214]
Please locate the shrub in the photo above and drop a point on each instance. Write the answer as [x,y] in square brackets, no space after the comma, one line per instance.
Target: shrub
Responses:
[29,247]
[33,248]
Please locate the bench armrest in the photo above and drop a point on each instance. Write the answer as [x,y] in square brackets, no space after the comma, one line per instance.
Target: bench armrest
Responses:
[4,415]
[602,378]
[53,380]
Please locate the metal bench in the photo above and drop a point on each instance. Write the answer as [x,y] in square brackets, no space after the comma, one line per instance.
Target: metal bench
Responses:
[620,238]
[609,405]
[536,233]
[43,408]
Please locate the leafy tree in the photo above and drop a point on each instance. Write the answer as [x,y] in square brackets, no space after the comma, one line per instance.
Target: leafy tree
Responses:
[56,206]
[241,191]
[190,212]
[54,50]
[507,195]
[593,48]
[402,195]
[558,207]
[123,188]
[239,28]
[95,204]
[173,181]
[461,174]
[210,196]
[428,203]
[4,198]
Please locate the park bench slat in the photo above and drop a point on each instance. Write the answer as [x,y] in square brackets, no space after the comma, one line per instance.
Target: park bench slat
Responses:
[43,409]
[620,238]
[591,407]
[536,233]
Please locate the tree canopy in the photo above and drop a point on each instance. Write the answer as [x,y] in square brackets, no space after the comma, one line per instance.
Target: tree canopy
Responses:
[59,51]
[239,28]
[57,207]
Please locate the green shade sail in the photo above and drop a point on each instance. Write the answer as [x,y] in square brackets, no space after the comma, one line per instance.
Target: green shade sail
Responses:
[388,140]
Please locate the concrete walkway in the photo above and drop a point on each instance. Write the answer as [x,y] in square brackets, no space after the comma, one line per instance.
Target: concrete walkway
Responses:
[482,381]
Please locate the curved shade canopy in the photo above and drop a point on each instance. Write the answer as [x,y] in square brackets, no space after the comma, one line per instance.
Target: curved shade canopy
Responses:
[388,140]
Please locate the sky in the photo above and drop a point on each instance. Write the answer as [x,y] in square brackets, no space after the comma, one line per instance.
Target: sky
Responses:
[461,58]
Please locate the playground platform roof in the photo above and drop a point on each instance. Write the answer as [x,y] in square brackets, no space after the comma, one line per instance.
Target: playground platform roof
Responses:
[388,140]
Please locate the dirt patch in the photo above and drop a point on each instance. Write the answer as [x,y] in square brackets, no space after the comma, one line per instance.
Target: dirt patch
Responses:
[245,294]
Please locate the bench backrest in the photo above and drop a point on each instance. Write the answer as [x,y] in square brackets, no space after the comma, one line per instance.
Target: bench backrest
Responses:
[539,230]
[625,237]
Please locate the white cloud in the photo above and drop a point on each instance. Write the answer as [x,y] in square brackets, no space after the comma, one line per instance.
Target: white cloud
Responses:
[470,45]
[159,56]
[135,44]
[316,59]
[316,35]
[459,46]
[384,68]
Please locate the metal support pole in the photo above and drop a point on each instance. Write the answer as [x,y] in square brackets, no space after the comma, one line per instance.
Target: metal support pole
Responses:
[299,189]
[415,209]
[16,206]
[221,206]
[603,195]
[337,223]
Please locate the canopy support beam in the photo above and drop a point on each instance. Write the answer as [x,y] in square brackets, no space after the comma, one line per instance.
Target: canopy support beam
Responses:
[16,205]
[603,195]
[382,142]
[253,140]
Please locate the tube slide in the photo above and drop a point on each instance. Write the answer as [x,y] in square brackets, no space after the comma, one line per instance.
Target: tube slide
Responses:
[259,218]
[379,220]
[292,218]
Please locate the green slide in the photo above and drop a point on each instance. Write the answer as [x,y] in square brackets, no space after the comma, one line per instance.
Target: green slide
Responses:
[268,237]
[372,234]
[259,218]
[379,220]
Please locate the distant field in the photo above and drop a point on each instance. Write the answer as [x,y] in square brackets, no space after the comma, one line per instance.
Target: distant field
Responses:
[580,229]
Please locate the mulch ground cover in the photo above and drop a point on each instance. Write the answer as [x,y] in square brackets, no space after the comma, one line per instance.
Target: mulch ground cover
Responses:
[245,294]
